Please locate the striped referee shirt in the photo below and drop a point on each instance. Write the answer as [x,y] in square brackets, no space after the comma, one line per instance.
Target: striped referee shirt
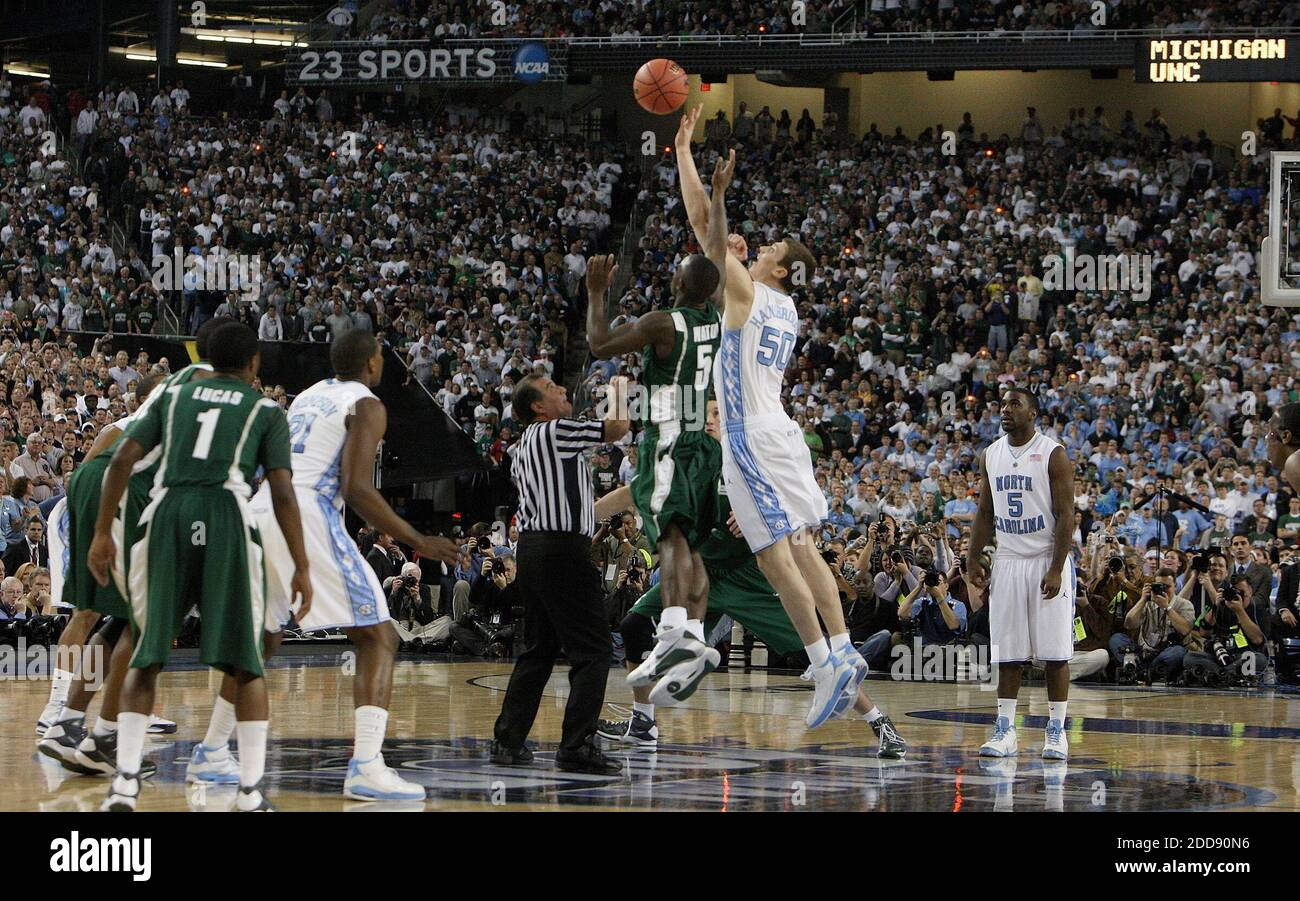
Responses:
[553,477]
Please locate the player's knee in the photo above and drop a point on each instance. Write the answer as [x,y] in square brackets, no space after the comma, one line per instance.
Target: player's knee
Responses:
[638,636]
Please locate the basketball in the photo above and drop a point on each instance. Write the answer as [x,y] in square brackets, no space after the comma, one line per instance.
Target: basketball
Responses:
[660,86]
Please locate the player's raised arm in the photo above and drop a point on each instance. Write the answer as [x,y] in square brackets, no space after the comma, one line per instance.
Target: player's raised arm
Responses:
[693,196]
[715,238]
[366,428]
[653,328]
[1061,473]
[981,531]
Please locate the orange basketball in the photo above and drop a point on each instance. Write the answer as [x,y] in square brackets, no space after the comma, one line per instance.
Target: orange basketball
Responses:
[660,86]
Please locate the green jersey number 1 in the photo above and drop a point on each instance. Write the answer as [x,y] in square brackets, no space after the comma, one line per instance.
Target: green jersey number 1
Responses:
[207,428]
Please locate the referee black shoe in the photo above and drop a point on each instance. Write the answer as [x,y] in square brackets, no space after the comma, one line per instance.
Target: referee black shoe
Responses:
[588,759]
[504,756]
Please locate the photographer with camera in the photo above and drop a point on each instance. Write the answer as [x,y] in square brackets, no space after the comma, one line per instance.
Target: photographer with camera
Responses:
[940,618]
[1233,639]
[410,602]
[629,585]
[496,602]
[1161,622]
[615,543]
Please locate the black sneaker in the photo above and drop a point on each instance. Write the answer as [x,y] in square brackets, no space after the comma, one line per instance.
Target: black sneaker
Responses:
[97,756]
[612,730]
[588,759]
[892,746]
[504,756]
[640,730]
[61,740]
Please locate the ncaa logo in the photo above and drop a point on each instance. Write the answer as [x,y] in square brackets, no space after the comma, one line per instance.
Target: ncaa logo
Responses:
[531,62]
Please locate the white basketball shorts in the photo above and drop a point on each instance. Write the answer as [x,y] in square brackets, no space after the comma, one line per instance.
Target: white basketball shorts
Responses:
[768,472]
[345,590]
[1023,625]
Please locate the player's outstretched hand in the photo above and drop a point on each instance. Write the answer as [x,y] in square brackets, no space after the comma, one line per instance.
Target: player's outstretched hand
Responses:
[601,270]
[438,548]
[686,127]
[1051,585]
[300,588]
[100,558]
[976,574]
[738,247]
[724,172]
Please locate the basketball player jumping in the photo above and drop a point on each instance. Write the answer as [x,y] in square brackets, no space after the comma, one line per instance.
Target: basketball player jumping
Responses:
[335,427]
[736,589]
[677,465]
[765,462]
[1027,497]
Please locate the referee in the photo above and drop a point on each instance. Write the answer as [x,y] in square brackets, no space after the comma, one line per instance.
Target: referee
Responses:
[563,601]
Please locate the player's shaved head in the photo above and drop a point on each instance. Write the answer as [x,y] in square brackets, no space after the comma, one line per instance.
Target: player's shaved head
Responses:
[351,351]
[146,386]
[232,347]
[697,279]
[1288,417]
[203,337]
[1028,396]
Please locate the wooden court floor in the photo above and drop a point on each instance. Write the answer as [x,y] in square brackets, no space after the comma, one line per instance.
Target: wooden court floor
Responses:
[739,744]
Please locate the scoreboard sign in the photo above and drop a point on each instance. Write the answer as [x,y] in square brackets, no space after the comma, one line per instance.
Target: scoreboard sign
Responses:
[1182,60]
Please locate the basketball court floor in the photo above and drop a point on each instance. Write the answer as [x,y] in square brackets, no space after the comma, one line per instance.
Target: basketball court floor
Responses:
[739,745]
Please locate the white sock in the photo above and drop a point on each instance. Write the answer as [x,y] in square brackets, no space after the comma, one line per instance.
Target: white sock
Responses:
[371,723]
[130,740]
[839,643]
[818,652]
[72,715]
[673,618]
[60,682]
[104,727]
[220,726]
[695,627]
[644,709]
[872,715]
[252,751]
[1007,708]
[1056,710]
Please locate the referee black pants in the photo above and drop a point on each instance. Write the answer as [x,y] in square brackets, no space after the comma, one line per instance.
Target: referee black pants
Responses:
[564,607]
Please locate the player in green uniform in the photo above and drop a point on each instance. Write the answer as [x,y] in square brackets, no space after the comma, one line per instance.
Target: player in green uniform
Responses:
[95,753]
[737,588]
[103,604]
[677,464]
[199,546]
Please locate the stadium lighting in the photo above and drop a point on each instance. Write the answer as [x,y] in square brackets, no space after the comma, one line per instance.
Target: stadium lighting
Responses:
[22,70]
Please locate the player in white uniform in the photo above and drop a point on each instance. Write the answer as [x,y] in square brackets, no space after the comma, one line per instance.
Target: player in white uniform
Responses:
[334,428]
[765,462]
[1027,499]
